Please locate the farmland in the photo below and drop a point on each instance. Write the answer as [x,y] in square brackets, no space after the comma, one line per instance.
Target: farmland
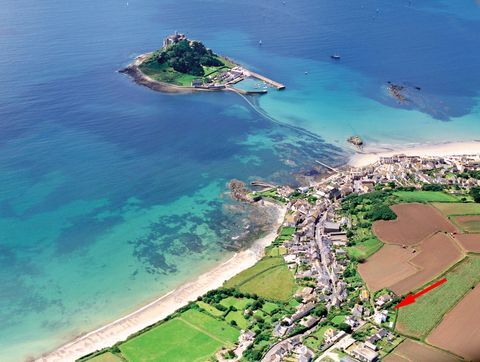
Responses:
[454,208]
[410,350]
[363,249]
[467,223]
[459,331]
[203,334]
[420,318]
[470,242]
[424,196]
[270,278]
[438,252]
[387,267]
[414,223]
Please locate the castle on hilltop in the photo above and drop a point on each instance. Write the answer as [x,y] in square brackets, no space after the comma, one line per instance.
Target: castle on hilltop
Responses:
[173,39]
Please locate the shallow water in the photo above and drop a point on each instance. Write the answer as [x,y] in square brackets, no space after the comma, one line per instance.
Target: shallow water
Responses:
[111,194]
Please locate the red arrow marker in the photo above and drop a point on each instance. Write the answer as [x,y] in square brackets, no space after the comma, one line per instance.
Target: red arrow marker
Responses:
[409,299]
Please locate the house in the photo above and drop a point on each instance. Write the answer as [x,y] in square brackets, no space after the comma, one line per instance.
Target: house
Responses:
[197,83]
[364,295]
[304,354]
[331,227]
[383,300]
[364,354]
[380,317]
[332,335]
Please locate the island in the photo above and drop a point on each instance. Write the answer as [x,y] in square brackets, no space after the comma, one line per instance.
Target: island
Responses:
[184,65]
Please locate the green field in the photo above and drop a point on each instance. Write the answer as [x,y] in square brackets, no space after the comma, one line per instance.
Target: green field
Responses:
[467,226]
[238,317]
[239,303]
[106,357]
[315,340]
[363,249]
[425,196]
[270,278]
[269,307]
[210,309]
[339,319]
[197,335]
[419,318]
[456,208]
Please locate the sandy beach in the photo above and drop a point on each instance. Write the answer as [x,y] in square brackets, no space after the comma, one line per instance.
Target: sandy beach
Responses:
[372,154]
[165,305]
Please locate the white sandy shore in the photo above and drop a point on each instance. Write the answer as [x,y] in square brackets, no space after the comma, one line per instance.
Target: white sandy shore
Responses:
[372,154]
[160,308]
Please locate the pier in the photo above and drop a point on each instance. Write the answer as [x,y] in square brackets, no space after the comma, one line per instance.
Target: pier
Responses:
[326,166]
[277,85]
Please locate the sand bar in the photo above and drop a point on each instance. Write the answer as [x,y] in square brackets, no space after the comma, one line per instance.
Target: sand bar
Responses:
[167,304]
[372,154]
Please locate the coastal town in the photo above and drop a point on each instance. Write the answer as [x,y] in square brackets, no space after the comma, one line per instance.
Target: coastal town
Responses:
[313,301]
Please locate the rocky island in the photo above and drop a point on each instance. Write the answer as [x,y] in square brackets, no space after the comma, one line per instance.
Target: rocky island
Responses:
[184,65]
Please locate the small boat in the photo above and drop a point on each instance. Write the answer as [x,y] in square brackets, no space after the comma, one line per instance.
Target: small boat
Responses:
[335,56]
[259,42]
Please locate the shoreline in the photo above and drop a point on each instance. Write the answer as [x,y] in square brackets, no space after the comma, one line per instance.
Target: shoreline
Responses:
[153,312]
[373,154]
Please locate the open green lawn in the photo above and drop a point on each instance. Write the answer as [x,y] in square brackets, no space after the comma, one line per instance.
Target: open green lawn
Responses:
[106,357]
[425,196]
[210,309]
[269,307]
[315,340]
[239,303]
[362,250]
[419,318]
[339,319]
[197,335]
[269,278]
[458,208]
[238,317]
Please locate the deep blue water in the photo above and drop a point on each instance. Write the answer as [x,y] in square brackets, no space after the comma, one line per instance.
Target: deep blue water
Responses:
[111,194]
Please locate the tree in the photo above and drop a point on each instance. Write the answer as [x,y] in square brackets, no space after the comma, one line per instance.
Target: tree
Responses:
[475,193]
[381,212]
[345,327]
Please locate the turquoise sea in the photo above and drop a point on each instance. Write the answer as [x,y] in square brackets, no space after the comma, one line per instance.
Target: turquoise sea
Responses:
[112,194]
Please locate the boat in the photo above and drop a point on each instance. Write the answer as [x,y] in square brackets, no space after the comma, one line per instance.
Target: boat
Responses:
[335,56]
[259,42]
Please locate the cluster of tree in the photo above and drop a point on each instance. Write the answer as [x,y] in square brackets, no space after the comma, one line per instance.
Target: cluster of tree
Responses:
[433,187]
[189,57]
[470,174]
[381,212]
[475,193]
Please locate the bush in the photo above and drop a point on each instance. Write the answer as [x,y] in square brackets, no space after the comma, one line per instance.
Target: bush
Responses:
[382,212]
[433,187]
[475,193]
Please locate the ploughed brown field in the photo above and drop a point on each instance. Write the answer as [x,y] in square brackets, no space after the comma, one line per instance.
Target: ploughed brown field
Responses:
[459,330]
[470,242]
[403,270]
[437,254]
[387,267]
[468,223]
[413,224]
[414,351]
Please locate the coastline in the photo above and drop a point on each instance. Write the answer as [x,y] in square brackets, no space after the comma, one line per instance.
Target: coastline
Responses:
[373,154]
[133,70]
[155,311]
